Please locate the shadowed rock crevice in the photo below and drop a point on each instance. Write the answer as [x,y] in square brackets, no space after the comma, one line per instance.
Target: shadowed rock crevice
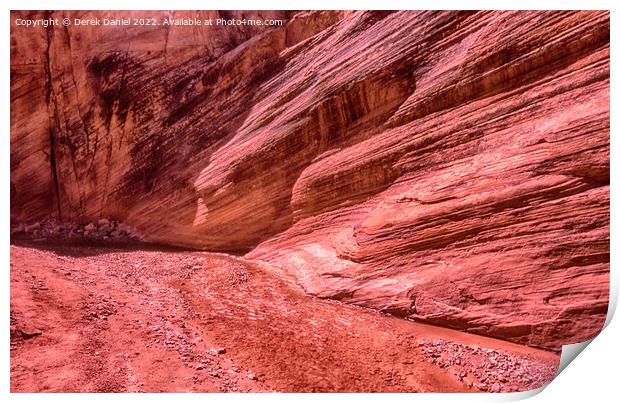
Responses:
[52,138]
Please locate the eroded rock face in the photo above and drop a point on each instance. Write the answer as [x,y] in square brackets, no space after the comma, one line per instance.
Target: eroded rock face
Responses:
[451,167]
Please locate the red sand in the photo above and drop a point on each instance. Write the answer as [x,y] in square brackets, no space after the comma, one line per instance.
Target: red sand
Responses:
[113,320]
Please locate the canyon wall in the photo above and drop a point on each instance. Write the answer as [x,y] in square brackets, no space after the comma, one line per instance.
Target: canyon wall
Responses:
[449,167]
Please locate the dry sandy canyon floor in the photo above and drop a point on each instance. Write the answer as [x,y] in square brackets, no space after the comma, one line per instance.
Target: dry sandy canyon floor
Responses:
[117,319]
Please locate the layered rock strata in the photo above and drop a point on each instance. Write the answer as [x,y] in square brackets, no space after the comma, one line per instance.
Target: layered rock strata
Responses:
[450,167]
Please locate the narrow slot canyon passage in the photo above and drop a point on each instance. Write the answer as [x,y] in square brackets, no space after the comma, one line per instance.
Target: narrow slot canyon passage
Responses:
[309,201]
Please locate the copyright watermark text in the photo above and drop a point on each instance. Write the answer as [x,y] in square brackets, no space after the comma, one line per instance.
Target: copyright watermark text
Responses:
[120,22]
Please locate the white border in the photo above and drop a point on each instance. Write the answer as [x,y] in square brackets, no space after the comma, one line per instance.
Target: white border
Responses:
[316,4]
[593,375]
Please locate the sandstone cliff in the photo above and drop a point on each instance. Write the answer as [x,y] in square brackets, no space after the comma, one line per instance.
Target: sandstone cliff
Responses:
[451,167]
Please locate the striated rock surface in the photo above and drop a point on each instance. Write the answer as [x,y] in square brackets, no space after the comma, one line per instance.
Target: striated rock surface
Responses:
[450,167]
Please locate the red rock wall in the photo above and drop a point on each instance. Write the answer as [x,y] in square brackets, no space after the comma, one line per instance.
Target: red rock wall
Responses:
[451,167]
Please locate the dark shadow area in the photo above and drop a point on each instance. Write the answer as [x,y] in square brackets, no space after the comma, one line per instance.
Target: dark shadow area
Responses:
[84,248]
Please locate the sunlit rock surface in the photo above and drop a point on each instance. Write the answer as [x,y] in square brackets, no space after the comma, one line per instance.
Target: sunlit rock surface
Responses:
[451,167]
